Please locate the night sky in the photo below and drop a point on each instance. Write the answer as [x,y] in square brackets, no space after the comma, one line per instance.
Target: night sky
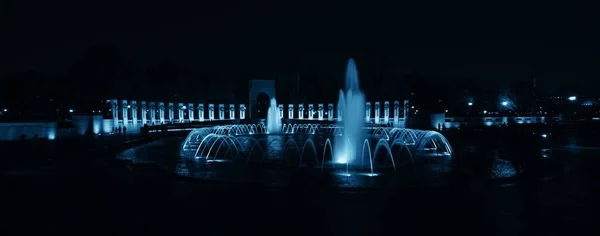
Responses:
[491,42]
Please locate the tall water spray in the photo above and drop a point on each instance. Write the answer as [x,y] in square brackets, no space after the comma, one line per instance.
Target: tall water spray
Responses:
[352,104]
[273,119]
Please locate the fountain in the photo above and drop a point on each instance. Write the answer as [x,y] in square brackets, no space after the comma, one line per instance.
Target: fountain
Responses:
[273,119]
[352,105]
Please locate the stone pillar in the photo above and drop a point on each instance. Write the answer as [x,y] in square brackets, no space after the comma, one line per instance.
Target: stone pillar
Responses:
[114,107]
[180,112]
[161,112]
[144,112]
[232,111]
[280,111]
[242,111]
[301,111]
[340,113]
[134,112]
[368,112]
[406,111]
[311,111]
[377,112]
[330,111]
[290,111]
[211,111]
[201,111]
[125,107]
[386,111]
[171,112]
[396,113]
[221,111]
[191,112]
[153,113]
[320,111]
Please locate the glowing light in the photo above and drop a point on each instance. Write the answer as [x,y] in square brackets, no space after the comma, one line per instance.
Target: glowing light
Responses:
[544,135]
[128,106]
[470,104]
[71,110]
[184,107]
[572,98]
[505,103]
[484,112]
[5,110]
[446,110]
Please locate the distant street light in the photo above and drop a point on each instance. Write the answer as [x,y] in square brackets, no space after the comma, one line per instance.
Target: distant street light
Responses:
[484,112]
[505,103]
[5,110]
[70,110]
[572,98]
[470,104]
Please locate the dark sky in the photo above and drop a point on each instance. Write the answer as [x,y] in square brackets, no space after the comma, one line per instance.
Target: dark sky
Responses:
[490,41]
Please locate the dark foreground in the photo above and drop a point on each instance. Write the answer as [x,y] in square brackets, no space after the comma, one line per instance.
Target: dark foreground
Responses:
[105,196]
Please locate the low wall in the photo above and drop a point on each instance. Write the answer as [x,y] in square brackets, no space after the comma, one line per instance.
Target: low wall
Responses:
[14,131]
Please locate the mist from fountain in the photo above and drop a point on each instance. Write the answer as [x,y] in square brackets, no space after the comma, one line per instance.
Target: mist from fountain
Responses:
[273,119]
[352,105]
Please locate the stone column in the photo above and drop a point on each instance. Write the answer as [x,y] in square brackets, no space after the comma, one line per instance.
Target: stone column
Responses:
[124,107]
[171,112]
[290,111]
[386,111]
[406,111]
[144,112]
[191,112]
[280,111]
[368,112]
[153,113]
[114,107]
[134,112]
[377,111]
[311,111]
[201,111]
[161,112]
[396,113]
[242,111]
[181,112]
[300,111]
[320,111]
[232,111]
[330,111]
[211,111]
[221,111]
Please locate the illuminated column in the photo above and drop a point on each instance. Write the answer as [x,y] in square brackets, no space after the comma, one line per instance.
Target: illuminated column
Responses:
[171,112]
[153,113]
[221,111]
[114,107]
[406,106]
[134,111]
[377,110]
[301,111]
[242,111]
[232,111]
[340,113]
[320,111]
[290,111]
[368,112]
[386,111]
[201,111]
[396,110]
[161,112]
[124,107]
[144,112]
[211,111]
[280,111]
[180,112]
[191,112]
[330,111]
[311,111]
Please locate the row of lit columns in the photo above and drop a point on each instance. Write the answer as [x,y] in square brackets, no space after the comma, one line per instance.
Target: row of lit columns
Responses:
[158,113]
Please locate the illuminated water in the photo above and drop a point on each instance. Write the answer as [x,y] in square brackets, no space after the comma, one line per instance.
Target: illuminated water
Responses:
[273,119]
[352,105]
